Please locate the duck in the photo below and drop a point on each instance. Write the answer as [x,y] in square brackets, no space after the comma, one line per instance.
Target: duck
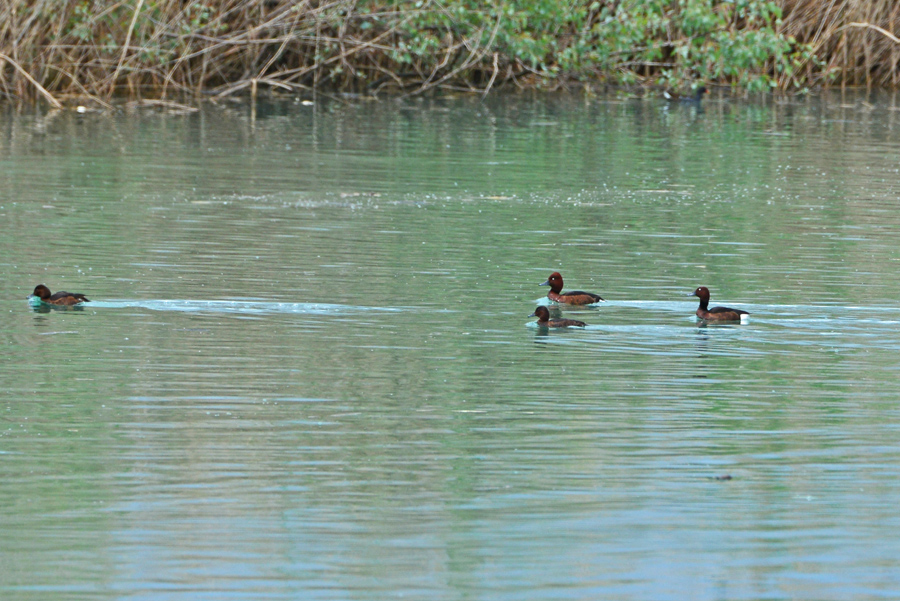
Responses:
[716,313]
[695,98]
[576,297]
[544,321]
[60,298]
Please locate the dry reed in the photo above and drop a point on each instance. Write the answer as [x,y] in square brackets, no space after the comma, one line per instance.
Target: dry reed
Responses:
[855,41]
[54,49]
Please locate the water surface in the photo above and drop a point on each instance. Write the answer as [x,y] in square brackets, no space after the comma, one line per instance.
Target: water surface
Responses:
[308,372]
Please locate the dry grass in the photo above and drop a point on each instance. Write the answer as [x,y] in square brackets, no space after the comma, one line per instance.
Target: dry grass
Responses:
[54,49]
[856,41]
[98,49]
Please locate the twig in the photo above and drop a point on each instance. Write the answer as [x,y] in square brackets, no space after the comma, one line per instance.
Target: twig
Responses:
[880,30]
[79,85]
[137,10]
[300,72]
[53,101]
[493,77]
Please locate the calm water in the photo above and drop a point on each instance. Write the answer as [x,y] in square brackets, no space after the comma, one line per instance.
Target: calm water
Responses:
[308,373]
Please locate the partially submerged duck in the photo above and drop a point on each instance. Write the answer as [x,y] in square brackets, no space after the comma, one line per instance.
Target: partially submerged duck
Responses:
[66,299]
[695,98]
[716,313]
[575,297]
[544,321]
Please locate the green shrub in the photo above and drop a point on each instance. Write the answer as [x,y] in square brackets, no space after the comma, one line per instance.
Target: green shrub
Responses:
[665,42]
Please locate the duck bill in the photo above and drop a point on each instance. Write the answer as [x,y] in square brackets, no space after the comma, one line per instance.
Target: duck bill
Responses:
[547,283]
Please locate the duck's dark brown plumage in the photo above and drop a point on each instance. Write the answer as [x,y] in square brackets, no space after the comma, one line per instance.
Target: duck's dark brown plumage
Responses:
[543,315]
[695,98]
[575,297]
[60,298]
[716,313]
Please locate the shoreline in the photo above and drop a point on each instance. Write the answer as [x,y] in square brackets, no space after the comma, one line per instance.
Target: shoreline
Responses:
[192,50]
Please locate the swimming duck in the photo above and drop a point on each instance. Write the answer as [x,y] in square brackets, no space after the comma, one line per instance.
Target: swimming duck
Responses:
[695,98]
[576,297]
[716,313]
[544,321]
[60,298]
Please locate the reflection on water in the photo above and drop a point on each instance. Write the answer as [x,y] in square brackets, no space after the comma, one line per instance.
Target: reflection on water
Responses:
[308,371]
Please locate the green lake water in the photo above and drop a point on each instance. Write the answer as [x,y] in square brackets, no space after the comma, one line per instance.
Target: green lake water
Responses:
[308,371]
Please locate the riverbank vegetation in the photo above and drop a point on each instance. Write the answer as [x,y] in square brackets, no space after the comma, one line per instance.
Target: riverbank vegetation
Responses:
[100,49]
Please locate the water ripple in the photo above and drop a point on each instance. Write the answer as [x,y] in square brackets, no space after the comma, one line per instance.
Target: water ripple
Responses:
[253,307]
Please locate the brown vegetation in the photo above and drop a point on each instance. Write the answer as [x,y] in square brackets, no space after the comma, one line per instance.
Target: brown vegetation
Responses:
[857,41]
[163,48]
